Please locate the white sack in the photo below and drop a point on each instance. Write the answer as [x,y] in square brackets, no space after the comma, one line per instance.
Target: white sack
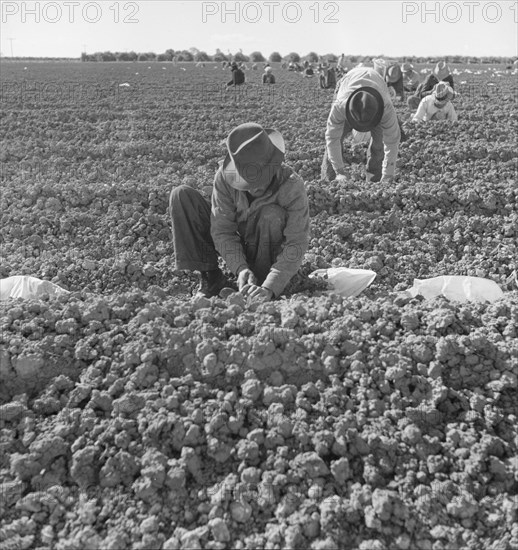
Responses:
[25,286]
[457,287]
[346,281]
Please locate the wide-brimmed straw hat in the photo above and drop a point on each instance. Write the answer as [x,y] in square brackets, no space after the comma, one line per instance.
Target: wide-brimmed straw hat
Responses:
[255,154]
[441,70]
[364,109]
[379,64]
[442,93]
[393,74]
[407,67]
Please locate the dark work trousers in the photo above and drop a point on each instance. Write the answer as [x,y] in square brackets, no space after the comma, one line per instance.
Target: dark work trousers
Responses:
[375,155]
[261,236]
[398,88]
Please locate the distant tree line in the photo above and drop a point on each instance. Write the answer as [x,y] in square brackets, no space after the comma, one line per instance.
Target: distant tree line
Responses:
[195,55]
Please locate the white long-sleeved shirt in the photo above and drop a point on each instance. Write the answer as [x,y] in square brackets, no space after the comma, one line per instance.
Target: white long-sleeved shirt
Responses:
[354,79]
[427,111]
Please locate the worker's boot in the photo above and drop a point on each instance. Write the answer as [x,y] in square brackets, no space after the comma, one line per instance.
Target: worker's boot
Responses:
[211,283]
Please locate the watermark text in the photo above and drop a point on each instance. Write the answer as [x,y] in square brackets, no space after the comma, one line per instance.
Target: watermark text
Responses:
[71,12]
[454,12]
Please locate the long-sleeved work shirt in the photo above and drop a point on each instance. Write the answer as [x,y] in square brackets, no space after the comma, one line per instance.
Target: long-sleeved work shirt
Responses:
[428,111]
[231,209]
[354,79]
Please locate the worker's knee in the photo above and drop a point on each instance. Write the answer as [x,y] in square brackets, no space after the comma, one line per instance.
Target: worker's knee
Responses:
[181,194]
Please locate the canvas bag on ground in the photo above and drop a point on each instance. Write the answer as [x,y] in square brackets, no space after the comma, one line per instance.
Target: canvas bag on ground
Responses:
[25,286]
[457,287]
[346,281]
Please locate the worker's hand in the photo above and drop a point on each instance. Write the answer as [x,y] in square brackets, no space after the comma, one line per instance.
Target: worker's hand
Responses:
[245,278]
[259,293]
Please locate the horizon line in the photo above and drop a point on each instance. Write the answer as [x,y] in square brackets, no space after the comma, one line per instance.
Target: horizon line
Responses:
[7,57]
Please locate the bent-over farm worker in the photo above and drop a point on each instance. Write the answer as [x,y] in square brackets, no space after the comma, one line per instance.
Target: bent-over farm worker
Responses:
[437,106]
[394,79]
[327,78]
[259,221]
[268,76]
[391,72]
[362,103]
[342,62]
[411,78]
[238,76]
[441,73]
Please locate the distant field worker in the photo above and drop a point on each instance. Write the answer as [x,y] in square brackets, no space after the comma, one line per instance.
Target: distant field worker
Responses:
[391,73]
[327,77]
[330,81]
[411,78]
[437,106]
[238,76]
[342,63]
[362,102]
[268,76]
[341,67]
[394,79]
[441,73]
[258,224]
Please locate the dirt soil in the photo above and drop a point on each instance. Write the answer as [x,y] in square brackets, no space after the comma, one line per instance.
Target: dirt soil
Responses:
[133,416]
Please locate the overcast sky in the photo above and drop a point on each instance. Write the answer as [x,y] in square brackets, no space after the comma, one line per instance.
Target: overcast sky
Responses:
[66,28]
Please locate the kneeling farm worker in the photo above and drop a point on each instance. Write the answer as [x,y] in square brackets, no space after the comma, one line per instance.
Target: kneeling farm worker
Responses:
[437,106]
[259,221]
